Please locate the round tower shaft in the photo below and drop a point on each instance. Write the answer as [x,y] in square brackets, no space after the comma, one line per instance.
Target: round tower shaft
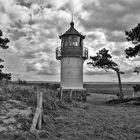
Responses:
[72,55]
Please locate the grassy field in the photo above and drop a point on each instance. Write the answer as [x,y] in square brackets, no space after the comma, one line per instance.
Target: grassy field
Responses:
[109,88]
[100,121]
[94,120]
[93,87]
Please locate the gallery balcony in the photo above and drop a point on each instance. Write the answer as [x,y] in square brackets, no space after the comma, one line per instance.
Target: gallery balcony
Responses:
[85,53]
[71,52]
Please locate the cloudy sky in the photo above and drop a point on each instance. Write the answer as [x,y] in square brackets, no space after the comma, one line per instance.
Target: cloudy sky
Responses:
[33,27]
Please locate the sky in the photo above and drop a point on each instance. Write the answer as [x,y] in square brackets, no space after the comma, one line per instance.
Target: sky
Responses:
[34,26]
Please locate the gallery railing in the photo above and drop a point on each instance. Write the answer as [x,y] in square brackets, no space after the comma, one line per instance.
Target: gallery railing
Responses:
[71,52]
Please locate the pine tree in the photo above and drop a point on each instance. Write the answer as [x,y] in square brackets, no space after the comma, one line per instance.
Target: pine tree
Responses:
[133,36]
[4,45]
[104,60]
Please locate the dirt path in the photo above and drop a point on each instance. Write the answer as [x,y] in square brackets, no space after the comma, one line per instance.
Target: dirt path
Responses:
[96,98]
[93,121]
[100,122]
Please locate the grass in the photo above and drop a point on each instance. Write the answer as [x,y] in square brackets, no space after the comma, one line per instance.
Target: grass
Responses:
[111,88]
[18,103]
[94,120]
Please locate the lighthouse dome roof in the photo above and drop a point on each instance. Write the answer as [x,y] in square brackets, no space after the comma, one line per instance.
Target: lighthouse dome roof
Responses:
[72,31]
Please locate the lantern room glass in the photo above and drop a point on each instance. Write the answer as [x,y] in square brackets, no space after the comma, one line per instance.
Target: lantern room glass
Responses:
[70,41]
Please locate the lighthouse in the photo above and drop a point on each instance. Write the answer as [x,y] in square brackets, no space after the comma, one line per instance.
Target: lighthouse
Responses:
[71,55]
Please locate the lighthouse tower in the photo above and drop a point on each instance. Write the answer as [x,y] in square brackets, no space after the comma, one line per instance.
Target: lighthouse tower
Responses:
[71,55]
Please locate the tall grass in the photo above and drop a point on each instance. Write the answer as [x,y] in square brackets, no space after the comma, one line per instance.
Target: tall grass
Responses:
[109,88]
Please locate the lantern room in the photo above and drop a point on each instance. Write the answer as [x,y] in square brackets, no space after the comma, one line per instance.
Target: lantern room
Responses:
[71,44]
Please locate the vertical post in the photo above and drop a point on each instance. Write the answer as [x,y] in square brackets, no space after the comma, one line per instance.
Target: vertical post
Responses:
[84,96]
[61,93]
[38,117]
[75,95]
[39,106]
[120,85]
[70,95]
[133,95]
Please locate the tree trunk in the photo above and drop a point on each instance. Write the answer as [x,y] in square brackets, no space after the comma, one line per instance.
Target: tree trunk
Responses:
[61,93]
[121,95]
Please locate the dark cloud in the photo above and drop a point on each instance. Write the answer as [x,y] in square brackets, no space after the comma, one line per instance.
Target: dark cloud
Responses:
[93,36]
[18,24]
[117,52]
[110,15]
[31,22]
[24,3]
[115,36]
[16,34]
[40,2]
[29,55]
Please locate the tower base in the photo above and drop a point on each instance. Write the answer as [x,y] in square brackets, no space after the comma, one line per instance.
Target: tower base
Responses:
[73,94]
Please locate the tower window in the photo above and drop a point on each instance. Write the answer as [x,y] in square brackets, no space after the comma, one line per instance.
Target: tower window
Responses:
[71,41]
[74,41]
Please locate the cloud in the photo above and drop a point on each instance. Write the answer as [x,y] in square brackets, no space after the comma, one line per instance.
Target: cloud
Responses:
[16,34]
[33,67]
[43,67]
[99,72]
[115,36]
[117,52]
[33,27]
[51,70]
[30,55]
[24,3]
[110,15]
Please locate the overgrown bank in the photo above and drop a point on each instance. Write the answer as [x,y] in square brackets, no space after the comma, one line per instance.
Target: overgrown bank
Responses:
[17,108]
[63,121]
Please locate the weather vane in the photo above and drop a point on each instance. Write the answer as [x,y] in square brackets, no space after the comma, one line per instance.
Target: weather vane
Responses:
[72,23]
[72,16]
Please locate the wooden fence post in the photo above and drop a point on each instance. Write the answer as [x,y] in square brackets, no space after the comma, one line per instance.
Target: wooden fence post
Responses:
[38,117]
[61,93]
[39,106]
[70,95]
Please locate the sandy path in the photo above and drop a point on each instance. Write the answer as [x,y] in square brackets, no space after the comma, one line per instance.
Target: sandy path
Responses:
[96,98]
[101,122]
[116,121]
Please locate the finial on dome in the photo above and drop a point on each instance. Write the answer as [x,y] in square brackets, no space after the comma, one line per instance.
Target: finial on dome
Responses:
[72,23]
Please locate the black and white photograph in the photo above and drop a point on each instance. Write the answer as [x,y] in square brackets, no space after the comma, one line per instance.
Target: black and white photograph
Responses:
[69,70]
